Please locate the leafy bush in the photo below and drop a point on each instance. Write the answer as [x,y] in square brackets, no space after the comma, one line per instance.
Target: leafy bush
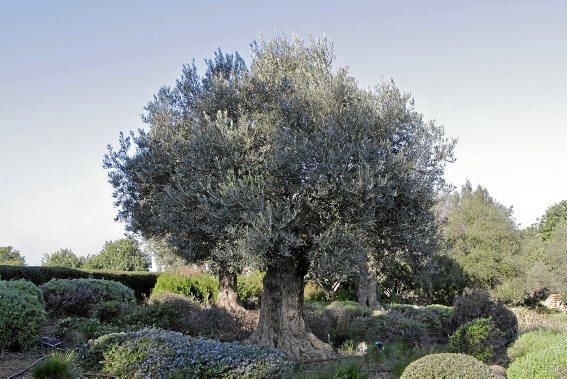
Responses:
[249,288]
[152,315]
[84,328]
[481,339]
[141,282]
[534,341]
[343,312]
[24,286]
[388,327]
[318,321]
[350,371]
[158,353]
[21,317]
[111,311]
[436,325]
[201,287]
[477,304]
[396,356]
[550,362]
[198,320]
[57,366]
[79,296]
[447,365]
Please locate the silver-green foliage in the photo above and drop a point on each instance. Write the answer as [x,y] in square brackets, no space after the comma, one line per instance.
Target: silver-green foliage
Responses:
[22,314]
[289,159]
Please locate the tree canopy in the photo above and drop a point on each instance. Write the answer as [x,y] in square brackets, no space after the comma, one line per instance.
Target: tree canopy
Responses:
[62,258]
[11,257]
[288,165]
[120,255]
[481,236]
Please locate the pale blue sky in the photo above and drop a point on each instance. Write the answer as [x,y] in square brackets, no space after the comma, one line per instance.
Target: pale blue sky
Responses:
[75,73]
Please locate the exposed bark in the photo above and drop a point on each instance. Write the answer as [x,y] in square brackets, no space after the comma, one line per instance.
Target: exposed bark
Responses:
[368,285]
[228,297]
[281,323]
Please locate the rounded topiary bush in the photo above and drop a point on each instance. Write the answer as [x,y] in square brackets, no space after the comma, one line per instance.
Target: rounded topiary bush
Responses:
[22,316]
[160,353]
[200,287]
[24,286]
[477,304]
[550,362]
[481,339]
[79,297]
[535,341]
[447,365]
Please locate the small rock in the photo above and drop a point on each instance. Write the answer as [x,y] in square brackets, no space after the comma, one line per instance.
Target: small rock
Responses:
[499,371]
[361,348]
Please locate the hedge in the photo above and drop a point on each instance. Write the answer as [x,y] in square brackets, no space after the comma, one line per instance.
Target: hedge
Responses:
[141,282]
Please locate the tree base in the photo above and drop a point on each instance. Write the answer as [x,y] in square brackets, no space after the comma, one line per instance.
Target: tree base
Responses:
[301,345]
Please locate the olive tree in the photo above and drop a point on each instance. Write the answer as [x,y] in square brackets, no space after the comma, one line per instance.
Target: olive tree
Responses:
[286,165]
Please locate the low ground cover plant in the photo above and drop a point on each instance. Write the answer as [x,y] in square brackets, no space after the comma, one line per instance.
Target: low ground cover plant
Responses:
[534,341]
[448,365]
[22,315]
[549,362]
[57,366]
[157,353]
[78,297]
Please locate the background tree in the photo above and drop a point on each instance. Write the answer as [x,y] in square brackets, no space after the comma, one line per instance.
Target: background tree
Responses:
[554,215]
[191,151]
[166,256]
[299,154]
[11,257]
[542,261]
[120,255]
[481,236]
[62,258]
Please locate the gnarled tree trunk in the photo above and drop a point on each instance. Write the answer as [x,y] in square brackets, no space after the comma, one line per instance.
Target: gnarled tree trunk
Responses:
[368,285]
[228,297]
[281,322]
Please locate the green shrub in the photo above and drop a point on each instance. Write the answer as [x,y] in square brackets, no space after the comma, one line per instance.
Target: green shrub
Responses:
[447,365]
[343,312]
[22,316]
[350,371]
[197,319]
[57,366]
[436,325]
[86,328]
[24,286]
[112,311]
[396,356]
[152,315]
[550,362]
[160,353]
[201,287]
[477,304]
[481,339]
[535,341]
[80,296]
[249,288]
[141,282]
[387,327]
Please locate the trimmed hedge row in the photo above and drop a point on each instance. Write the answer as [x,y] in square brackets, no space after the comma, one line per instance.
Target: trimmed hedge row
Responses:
[141,282]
